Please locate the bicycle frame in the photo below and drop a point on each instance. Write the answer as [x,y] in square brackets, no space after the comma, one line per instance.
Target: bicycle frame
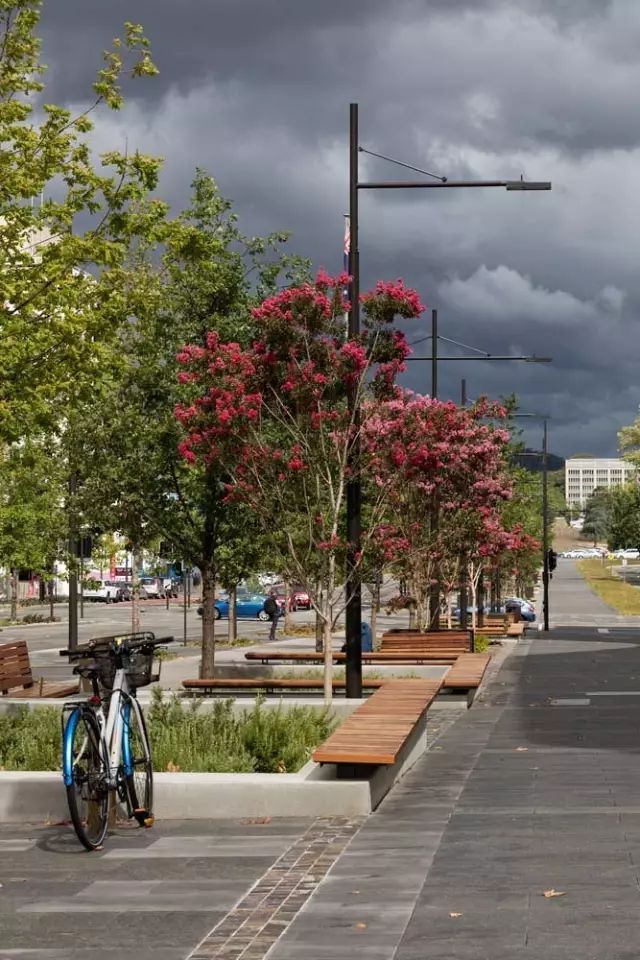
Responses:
[114,739]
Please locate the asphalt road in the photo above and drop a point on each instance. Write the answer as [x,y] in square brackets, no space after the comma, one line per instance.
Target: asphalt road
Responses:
[102,619]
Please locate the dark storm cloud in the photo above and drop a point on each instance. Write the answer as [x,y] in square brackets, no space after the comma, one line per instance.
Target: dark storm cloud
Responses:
[256,91]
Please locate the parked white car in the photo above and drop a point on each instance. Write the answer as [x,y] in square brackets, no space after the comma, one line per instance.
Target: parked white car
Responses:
[151,588]
[102,591]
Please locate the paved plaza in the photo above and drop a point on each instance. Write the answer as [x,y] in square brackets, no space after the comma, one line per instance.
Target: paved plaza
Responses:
[517,833]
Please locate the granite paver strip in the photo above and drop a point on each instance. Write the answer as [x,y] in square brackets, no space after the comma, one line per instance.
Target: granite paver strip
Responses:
[252,927]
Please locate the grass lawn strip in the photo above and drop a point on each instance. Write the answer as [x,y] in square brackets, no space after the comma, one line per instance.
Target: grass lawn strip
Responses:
[624,598]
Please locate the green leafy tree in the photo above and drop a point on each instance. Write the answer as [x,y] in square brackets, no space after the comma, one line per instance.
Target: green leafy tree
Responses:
[67,221]
[194,274]
[31,510]
[624,522]
[597,516]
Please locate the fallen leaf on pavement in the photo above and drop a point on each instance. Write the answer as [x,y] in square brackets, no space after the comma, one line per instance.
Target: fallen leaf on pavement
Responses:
[257,820]
[548,894]
[360,926]
[455,914]
[521,749]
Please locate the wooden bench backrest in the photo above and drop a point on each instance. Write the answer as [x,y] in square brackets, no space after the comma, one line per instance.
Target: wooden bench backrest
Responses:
[438,639]
[15,669]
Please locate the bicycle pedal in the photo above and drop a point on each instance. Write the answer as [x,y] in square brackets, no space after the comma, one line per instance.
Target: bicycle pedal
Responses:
[144,818]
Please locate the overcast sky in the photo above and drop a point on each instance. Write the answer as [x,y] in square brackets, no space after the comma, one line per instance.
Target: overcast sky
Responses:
[257,92]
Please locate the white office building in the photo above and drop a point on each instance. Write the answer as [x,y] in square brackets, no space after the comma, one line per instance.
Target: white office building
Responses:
[581,477]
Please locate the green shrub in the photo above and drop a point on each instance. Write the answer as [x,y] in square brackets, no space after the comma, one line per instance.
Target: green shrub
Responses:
[30,739]
[184,738]
[481,643]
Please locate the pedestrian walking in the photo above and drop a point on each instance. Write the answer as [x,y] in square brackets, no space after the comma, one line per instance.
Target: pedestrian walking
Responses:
[272,608]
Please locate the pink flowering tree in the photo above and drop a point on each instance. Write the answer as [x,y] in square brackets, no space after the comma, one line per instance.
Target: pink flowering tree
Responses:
[274,423]
[423,451]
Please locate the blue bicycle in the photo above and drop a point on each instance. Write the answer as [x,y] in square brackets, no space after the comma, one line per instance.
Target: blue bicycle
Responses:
[106,755]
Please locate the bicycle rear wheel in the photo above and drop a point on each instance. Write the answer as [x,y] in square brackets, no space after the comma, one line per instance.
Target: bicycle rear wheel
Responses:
[136,757]
[86,778]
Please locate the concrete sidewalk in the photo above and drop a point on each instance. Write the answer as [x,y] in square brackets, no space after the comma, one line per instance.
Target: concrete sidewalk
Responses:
[534,791]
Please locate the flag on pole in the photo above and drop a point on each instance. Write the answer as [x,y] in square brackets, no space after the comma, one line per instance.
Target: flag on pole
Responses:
[347,243]
[346,249]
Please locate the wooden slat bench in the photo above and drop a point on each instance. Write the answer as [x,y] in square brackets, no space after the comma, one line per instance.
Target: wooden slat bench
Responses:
[273,683]
[376,732]
[445,642]
[466,674]
[16,678]
[310,656]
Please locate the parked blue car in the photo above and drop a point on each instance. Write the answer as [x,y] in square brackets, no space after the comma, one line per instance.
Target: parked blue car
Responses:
[248,608]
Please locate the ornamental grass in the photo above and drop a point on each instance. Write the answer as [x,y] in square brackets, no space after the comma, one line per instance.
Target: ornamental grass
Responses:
[184,737]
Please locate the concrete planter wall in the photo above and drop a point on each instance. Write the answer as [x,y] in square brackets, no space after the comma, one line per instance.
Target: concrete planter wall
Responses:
[312,792]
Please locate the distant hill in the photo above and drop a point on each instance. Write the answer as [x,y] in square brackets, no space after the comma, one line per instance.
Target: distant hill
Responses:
[532,460]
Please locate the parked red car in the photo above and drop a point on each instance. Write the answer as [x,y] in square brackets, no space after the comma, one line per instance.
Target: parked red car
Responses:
[299,600]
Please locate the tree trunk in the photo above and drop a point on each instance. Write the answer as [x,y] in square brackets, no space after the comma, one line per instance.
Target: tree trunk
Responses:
[319,623]
[135,591]
[50,586]
[233,614]
[413,608]
[328,661]
[474,606]
[480,596]
[375,609]
[288,622]
[327,613]
[14,594]
[421,611]
[207,661]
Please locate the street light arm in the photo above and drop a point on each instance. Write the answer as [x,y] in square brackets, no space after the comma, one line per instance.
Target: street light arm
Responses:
[401,163]
[509,185]
[457,343]
[490,356]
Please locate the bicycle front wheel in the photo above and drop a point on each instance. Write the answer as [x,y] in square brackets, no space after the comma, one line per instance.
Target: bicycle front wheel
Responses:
[86,778]
[138,769]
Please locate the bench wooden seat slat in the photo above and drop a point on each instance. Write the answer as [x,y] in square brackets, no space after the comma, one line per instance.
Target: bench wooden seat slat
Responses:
[273,683]
[16,678]
[304,656]
[376,732]
[467,672]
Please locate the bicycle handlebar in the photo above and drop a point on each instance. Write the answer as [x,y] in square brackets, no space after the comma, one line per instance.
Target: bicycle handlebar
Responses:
[132,641]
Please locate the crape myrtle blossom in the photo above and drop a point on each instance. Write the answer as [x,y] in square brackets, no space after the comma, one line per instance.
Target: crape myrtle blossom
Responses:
[446,474]
[273,420]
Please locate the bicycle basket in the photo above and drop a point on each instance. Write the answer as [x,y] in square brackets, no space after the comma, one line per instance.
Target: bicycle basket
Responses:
[137,664]
[139,668]
[105,668]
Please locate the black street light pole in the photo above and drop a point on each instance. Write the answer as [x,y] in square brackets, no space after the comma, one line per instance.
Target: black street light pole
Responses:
[434,593]
[353,625]
[73,553]
[463,602]
[354,593]
[434,352]
[545,531]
